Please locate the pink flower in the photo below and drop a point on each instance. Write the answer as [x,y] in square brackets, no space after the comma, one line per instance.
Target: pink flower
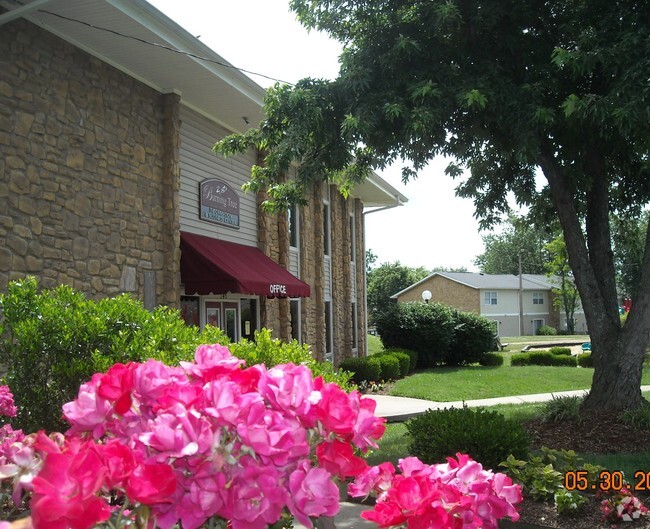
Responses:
[7,407]
[119,462]
[116,386]
[275,438]
[378,478]
[151,379]
[89,412]
[257,496]
[333,409]
[289,388]
[338,458]
[151,483]
[312,493]
[65,492]
[210,361]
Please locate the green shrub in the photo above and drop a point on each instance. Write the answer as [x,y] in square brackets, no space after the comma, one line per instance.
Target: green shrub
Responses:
[403,359]
[491,360]
[487,436]
[424,327]
[389,366]
[264,349]
[542,475]
[473,338]
[585,360]
[547,358]
[546,330]
[520,359]
[363,369]
[560,409]
[54,340]
[638,418]
[413,357]
[566,351]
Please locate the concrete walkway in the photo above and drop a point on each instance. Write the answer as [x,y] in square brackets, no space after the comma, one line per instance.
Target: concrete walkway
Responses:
[397,409]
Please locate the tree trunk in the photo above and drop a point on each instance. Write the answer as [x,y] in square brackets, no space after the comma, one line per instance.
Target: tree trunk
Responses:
[617,351]
[618,367]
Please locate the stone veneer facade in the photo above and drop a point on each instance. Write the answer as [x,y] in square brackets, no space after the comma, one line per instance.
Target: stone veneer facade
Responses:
[89,190]
[274,241]
[88,174]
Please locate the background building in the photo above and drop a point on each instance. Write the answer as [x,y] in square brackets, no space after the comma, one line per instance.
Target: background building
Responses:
[497,298]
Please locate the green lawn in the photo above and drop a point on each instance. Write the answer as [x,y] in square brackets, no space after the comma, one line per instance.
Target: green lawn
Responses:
[446,384]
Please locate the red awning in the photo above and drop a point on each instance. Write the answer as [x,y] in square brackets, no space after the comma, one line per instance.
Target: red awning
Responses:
[211,266]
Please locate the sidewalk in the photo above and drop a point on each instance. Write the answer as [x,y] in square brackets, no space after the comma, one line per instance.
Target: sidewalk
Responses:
[397,409]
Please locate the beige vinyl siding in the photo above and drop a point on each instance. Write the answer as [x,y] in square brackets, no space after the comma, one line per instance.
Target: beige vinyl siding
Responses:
[198,162]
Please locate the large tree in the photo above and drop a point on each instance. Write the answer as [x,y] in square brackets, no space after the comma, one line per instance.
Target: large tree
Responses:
[518,238]
[505,88]
[388,279]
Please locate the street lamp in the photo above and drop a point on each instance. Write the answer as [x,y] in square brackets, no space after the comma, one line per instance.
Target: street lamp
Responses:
[426,296]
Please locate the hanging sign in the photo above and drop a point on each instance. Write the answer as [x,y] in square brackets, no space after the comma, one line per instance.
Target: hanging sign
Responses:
[218,203]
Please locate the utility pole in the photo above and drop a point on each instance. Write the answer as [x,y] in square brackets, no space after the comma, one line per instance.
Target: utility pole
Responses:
[521,298]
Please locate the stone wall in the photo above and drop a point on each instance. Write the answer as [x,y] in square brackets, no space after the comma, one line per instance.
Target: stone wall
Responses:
[88,172]
[273,239]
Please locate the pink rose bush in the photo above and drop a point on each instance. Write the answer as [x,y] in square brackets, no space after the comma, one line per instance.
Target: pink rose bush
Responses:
[458,494]
[209,440]
[213,441]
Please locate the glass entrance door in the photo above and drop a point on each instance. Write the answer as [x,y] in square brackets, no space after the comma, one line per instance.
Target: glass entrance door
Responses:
[225,315]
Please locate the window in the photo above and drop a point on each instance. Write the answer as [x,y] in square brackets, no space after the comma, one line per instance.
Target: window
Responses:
[490,298]
[294,227]
[326,228]
[538,298]
[355,330]
[353,240]
[294,307]
[329,355]
[248,308]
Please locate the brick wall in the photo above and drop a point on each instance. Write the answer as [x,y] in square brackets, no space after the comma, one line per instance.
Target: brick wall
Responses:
[448,292]
[88,171]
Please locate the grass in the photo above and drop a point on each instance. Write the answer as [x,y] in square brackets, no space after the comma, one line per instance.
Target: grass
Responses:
[448,384]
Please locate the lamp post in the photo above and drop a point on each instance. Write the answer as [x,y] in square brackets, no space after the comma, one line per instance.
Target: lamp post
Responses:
[426,296]
[521,298]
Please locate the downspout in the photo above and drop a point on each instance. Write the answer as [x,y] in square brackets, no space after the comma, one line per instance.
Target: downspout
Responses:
[365,278]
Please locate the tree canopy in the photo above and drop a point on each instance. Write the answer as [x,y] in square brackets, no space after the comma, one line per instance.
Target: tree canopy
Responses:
[518,237]
[505,88]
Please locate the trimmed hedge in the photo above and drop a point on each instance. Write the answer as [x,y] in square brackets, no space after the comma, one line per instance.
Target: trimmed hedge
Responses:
[363,369]
[491,360]
[488,436]
[403,359]
[413,357]
[561,351]
[585,360]
[439,334]
[473,338]
[389,366]
[424,327]
[542,358]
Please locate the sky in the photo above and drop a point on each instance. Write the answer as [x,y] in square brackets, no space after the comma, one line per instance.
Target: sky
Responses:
[435,228]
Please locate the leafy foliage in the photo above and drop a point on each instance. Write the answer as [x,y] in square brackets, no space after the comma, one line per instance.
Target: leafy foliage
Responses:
[502,250]
[413,357]
[473,338]
[546,330]
[386,280]
[485,435]
[566,297]
[362,369]
[503,89]
[54,340]
[560,409]
[491,359]
[424,327]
